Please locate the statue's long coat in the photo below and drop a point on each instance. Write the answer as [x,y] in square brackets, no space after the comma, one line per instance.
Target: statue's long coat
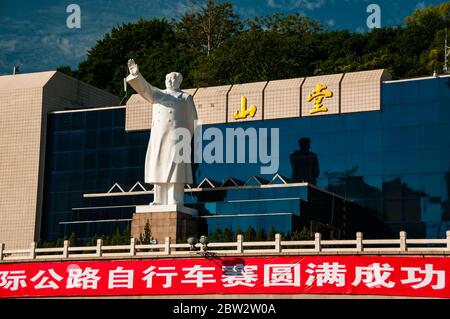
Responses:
[171,110]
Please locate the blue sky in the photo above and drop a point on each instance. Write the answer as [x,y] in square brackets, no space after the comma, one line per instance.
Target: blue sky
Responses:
[34,35]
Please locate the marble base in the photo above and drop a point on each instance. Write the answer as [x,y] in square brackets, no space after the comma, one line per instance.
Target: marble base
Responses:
[174,221]
[165,209]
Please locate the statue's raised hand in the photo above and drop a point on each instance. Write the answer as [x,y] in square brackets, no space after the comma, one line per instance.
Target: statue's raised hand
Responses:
[132,66]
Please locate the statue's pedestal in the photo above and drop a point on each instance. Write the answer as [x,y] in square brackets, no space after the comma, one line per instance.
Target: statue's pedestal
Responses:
[174,221]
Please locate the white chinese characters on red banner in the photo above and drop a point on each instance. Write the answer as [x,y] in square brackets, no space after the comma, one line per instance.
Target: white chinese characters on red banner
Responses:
[401,276]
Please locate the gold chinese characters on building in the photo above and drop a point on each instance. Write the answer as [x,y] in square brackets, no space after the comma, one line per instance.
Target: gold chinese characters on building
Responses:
[318,95]
[244,112]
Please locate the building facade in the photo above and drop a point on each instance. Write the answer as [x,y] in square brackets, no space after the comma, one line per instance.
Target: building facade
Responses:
[356,152]
[25,101]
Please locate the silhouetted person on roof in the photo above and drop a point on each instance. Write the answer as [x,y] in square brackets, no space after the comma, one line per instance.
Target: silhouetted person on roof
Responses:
[305,165]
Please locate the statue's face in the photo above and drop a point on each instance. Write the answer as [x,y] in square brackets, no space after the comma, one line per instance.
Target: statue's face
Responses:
[173,81]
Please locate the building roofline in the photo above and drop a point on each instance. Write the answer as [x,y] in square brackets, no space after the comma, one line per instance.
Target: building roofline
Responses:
[418,78]
[91,109]
[25,80]
[92,87]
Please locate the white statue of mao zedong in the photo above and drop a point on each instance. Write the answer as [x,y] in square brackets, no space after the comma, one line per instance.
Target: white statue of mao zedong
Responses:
[172,110]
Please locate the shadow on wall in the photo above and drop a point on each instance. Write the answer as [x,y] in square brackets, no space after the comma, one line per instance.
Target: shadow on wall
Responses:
[304,163]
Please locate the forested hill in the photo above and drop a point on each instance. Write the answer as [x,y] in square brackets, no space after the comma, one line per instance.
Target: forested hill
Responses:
[213,46]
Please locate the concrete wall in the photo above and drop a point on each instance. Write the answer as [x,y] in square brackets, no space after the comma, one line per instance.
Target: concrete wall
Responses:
[332,83]
[282,98]
[351,92]
[361,91]
[25,100]
[20,137]
[211,104]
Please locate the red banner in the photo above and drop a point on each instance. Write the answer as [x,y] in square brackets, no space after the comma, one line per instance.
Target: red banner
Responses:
[358,275]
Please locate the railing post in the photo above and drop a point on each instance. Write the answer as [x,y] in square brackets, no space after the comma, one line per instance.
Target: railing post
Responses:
[317,239]
[2,248]
[132,246]
[167,246]
[66,249]
[98,251]
[448,239]
[33,250]
[403,241]
[359,241]
[278,243]
[240,245]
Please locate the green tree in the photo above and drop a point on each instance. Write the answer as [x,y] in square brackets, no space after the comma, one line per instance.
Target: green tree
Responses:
[105,66]
[428,28]
[227,235]
[285,24]
[217,236]
[271,49]
[431,17]
[210,46]
[116,237]
[209,25]
[93,240]
[67,70]
[304,234]
[146,236]
[250,234]
[107,239]
[271,235]
[261,235]
[72,239]
[126,235]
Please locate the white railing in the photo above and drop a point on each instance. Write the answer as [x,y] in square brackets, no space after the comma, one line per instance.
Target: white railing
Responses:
[402,245]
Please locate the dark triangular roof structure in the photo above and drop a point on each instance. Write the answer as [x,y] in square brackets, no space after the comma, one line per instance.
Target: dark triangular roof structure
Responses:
[230,181]
[208,183]
[255,181]
[279,179]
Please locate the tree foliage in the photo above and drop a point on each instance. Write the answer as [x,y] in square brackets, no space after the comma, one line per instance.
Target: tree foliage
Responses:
[261,235]
[304,234]
[118,237]
[217,235]
[212,45]
[146,236]
[227,235]
[250,234]
[272,232]
[206,29]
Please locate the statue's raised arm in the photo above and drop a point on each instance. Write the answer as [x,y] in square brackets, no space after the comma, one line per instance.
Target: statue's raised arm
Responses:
[132,66]
[139,84]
